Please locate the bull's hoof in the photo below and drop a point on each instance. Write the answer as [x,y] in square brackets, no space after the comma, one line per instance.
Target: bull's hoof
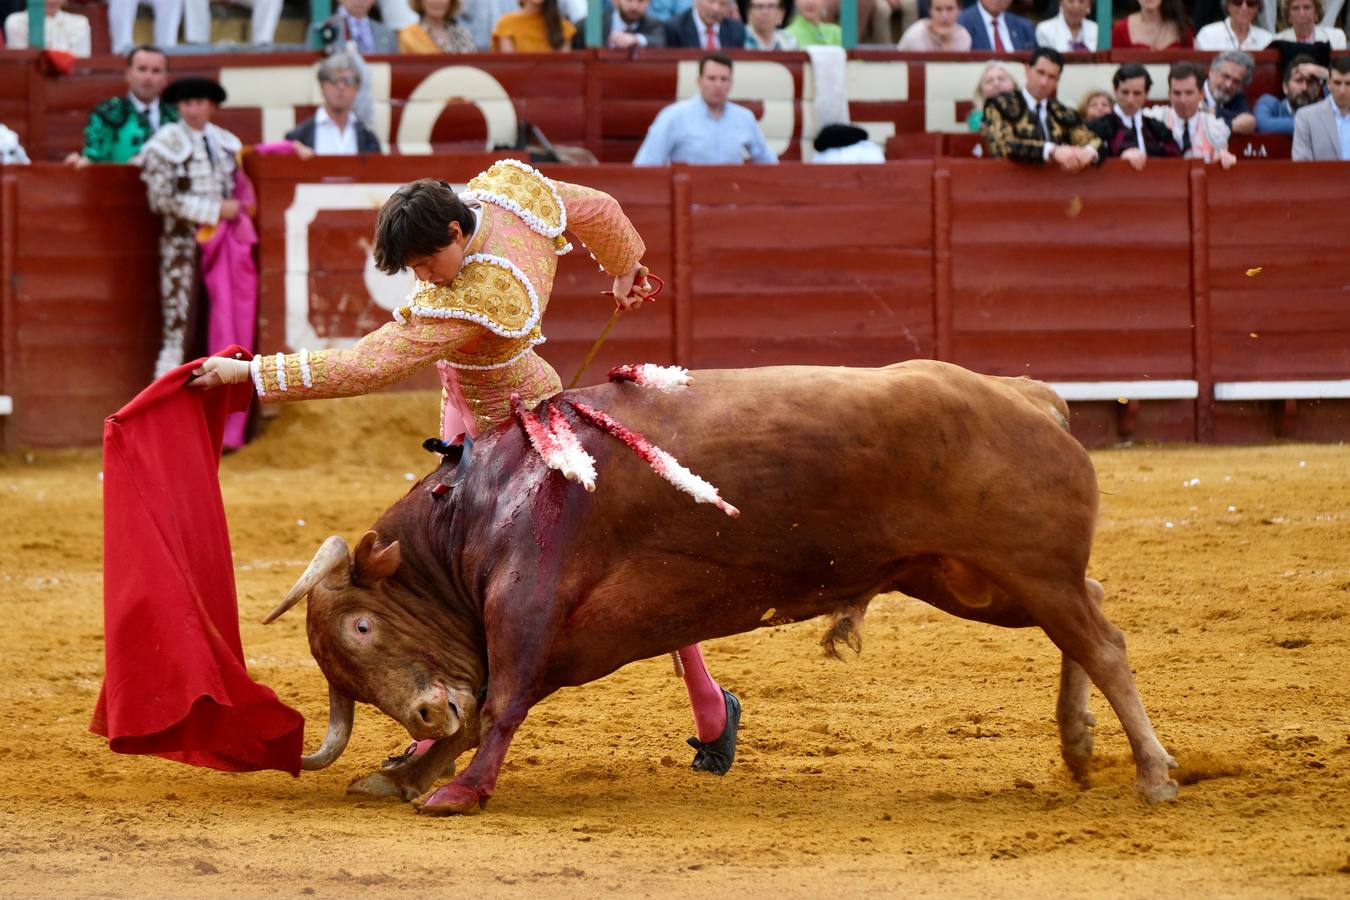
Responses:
[449,800]
[717,756]
[376,784]
[1162,792]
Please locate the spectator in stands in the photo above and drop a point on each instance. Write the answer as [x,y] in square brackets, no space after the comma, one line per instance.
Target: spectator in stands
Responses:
[1235,32]
[765,30]
[478,17]
[1158,25]
[1032,126]
[1095,104]
[62,31]
[939,32]
[537,27]
[1322,130]
[705,25]
[1126,133]
[436,30]
[351,29]
[625,24]
[263,27]
[1303,16]
[667,10]
[1071,31]
[1200,134]
[992,27]
[810,29]
[706,128]
[1226,90]
[334,130]
[11,150]
[122,18]
[994,80]
[119,126]
[1303,79]
[188,168]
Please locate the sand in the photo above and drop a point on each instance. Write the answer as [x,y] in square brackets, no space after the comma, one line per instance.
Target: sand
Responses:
[927,767]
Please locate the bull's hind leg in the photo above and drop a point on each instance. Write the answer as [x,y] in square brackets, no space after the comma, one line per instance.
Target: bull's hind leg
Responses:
[1072,618]
[1071,711]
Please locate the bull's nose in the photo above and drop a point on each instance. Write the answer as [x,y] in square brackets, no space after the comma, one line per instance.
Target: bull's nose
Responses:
[430,715]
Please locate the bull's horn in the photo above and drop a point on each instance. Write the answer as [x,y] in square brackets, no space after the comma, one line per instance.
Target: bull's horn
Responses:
[332,555]
[340,711]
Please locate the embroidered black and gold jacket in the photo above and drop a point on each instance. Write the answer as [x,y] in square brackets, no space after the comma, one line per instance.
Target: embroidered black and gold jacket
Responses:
[1011,130]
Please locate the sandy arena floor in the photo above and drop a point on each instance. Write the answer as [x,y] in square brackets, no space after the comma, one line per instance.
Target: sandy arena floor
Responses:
[927,767]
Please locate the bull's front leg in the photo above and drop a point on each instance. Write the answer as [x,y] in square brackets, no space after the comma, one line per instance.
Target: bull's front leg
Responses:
[468,793]
[411,778]
[522,615]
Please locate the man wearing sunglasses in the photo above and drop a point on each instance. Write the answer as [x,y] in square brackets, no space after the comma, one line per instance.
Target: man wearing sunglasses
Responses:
[334,130]
[1236,32]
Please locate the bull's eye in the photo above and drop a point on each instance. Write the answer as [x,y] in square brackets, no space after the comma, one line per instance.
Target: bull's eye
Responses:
[363,625]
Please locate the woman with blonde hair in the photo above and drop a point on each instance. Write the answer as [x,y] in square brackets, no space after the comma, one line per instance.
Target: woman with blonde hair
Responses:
[435,30]
[1095,103]
[538,27]
[1303,16]
[994,79]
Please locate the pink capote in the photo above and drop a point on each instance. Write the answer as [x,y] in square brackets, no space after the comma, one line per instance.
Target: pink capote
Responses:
[175,683]
[231,278]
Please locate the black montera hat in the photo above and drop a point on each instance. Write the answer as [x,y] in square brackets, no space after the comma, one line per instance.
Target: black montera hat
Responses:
[832,136]
[193,89]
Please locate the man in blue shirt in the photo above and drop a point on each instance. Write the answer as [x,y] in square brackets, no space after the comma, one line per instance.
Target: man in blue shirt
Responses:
[1303,79]
[705,128]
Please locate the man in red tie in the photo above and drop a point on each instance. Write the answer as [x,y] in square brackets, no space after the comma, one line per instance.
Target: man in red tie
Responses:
[705,26]
[992,27]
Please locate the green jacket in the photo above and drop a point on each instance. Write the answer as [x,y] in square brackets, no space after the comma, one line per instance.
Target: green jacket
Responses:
[116,130]
[811,35]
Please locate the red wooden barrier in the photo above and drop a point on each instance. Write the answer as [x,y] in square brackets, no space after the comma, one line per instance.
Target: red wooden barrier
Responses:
[81,299]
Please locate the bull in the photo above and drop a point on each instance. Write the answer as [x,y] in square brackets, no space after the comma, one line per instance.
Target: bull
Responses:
[495,581]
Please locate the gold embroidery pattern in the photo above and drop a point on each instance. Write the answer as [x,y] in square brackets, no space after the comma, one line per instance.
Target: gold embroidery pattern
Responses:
[528,189]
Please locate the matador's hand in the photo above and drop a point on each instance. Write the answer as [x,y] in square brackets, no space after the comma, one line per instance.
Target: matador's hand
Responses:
[633,290]
[217,371]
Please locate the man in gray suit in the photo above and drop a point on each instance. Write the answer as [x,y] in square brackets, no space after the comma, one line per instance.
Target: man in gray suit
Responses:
[351,28]
[1322,130]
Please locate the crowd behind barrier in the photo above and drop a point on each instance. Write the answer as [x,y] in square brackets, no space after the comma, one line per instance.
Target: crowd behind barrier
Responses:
[601,101]
[413,26]
[1180,303]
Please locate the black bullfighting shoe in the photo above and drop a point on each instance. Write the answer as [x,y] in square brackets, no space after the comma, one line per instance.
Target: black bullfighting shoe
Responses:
[716,756]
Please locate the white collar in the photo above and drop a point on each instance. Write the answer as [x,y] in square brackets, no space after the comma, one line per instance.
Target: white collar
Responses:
[321,116]
[140,106]
[1032,101]
[988,16]
[1128,120]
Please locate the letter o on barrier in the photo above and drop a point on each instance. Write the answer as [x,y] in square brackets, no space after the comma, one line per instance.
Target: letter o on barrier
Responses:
[466,83]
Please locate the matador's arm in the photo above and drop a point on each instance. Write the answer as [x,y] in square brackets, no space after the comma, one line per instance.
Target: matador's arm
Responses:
[597,219]
[381,358]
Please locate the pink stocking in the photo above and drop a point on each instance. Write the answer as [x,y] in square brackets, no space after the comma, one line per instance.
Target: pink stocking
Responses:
[705,696]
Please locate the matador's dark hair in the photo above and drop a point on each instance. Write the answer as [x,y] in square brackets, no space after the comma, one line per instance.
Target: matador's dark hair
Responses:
[415,223]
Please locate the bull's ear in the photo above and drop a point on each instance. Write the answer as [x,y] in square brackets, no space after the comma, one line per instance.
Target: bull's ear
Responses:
[374,562]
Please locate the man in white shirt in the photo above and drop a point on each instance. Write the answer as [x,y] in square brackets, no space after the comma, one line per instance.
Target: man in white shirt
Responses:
[1199,134]
[334,130]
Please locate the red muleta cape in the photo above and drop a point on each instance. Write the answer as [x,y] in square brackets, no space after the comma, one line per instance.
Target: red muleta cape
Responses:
[175,684]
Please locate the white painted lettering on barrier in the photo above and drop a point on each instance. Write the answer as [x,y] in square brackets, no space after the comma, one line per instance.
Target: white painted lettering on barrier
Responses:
[456,83]
[388,291]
